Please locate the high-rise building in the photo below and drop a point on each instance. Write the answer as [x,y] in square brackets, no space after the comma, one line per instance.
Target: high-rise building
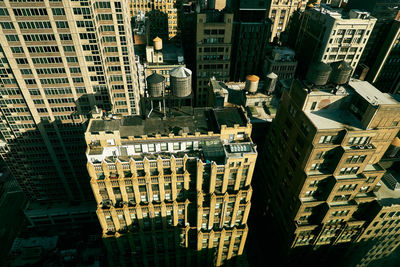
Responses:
[280,11]
[320,167]
[173,191]
[59,60]
[213,44]
[251,34]
[328,34]
[163,17]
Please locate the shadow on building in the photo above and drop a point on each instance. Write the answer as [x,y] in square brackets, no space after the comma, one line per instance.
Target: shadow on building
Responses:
[161,245]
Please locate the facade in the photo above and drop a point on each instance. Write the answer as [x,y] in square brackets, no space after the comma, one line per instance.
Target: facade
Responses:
[251,34]
[162,17]
[59,60]
[280,11]
[282,62]
[328,35]
[385,11]
[174,198]
[322,162]
[213,44]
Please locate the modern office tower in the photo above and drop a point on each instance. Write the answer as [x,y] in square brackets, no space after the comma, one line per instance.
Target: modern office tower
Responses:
[280,11]
[213,50]
[59,60]
[321,163]
[329,35]
[173,191]
[251,30]
[384,71]
[162,17]
[282,62]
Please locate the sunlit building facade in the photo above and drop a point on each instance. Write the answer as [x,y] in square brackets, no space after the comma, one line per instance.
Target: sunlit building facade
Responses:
[172,198]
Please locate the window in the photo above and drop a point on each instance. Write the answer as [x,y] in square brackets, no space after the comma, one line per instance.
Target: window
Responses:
[364,189]
[356,159]
[326,139]
[305,128]
[350,170]
[151,148]
[189,145]
[320,155]
[361,140]
[292,111]
[164,146]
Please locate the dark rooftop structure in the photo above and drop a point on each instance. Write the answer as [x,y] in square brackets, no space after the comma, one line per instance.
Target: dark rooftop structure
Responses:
[230,117]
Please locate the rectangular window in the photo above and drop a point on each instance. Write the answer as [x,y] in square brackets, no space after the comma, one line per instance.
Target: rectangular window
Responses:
[326,139]
[138,148]
[177,146]
[164,146]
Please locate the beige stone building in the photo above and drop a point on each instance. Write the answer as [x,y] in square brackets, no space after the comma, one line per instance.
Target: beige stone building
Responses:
[322,160]
[213,50]
[163,16]
[280,12]
[175,191]
[328,34]
[59,60]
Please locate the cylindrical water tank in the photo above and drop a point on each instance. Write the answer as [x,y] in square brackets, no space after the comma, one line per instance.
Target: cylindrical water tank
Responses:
[181,81]
[341,72]
[319,73]
[270,82]
[252,83]
[155,85]
[157,43]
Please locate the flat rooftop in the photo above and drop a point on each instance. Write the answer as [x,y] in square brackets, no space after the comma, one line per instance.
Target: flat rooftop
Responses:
[371,93]
[202,120]
[337,114]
